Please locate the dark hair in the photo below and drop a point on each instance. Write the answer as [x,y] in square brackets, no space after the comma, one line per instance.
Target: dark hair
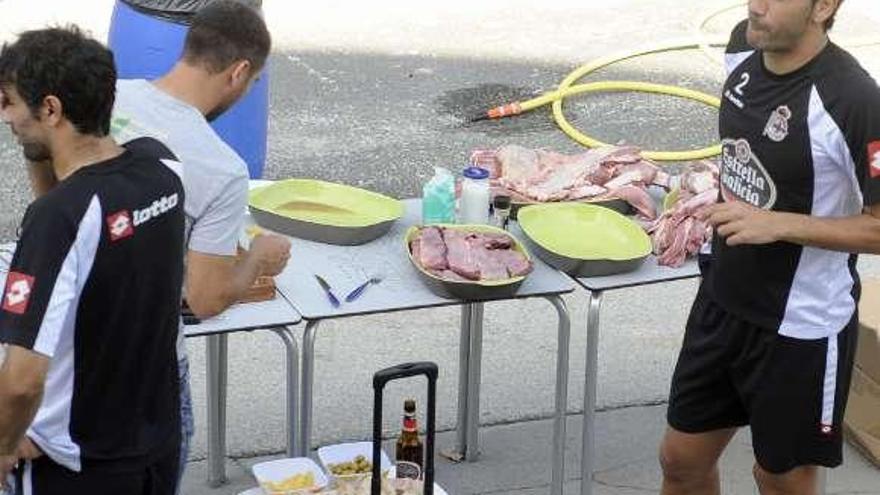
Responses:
[225,32]
[829,23]
[67,64]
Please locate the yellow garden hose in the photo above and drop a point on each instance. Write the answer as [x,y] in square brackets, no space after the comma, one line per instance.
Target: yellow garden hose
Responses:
[568,88]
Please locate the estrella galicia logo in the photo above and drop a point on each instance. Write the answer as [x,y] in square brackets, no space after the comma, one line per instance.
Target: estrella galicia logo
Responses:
[743,177]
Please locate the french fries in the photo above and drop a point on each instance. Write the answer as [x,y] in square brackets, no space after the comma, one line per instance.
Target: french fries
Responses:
[302,481]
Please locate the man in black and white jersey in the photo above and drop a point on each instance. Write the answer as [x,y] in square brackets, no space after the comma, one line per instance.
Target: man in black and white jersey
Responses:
[770,339]
[88,389]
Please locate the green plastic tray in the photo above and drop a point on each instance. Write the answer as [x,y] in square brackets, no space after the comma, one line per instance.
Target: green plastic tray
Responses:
[585,240]
[324,211]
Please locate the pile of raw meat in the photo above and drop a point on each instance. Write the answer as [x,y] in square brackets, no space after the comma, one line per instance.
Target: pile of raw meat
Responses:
[461,256]
[679,233]
[600,174]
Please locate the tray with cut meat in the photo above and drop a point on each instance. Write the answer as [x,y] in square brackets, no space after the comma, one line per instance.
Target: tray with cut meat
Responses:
[614,177]
[473,262]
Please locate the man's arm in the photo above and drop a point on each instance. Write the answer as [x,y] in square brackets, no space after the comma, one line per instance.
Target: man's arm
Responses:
[22,377]
[739,223]
[213,282]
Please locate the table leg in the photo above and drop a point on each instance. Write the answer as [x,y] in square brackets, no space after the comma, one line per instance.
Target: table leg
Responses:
[472,453]
[291,414]
[308,380]
[557,479]
[464,351]
[589,434]
[823,481]
[216,381]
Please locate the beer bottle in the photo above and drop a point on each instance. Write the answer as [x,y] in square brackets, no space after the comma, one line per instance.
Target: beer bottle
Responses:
[409,454]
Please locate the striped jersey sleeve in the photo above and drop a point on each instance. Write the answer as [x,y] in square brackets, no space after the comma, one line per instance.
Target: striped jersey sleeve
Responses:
[45,274]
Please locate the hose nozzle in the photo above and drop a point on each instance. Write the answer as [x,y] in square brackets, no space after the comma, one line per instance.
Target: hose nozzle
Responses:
[508,110]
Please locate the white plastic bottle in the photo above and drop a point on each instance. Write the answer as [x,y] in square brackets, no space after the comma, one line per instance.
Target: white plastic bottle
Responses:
[474,207]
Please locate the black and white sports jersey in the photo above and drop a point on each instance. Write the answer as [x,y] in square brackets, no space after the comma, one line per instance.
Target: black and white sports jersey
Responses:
[95,285]
[807,142]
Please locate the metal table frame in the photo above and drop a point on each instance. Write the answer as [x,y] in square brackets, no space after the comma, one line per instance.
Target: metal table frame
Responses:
[276,316]
[648,274]
[470,356]
[406,292]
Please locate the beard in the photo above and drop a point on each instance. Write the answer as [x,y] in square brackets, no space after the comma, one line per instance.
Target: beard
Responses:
[217,112]
[37,152]
[781,39]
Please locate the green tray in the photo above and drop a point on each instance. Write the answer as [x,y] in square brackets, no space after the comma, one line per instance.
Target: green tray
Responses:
[585,240]
[324,211]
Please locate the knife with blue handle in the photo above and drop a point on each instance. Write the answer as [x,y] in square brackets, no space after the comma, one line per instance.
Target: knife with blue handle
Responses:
[327,290]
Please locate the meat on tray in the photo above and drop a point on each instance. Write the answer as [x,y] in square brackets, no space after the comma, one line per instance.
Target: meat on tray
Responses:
[529,175]
[679,232]
[430,250]
[458,255]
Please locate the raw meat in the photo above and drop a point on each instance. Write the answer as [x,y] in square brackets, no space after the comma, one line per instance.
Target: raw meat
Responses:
[679,232]
[636,196]
[459,255]
[516,264]
[431,249]
[542,176]
[450,275]
[469,256]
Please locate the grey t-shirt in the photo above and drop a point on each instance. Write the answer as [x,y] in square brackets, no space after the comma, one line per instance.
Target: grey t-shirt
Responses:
[215,178]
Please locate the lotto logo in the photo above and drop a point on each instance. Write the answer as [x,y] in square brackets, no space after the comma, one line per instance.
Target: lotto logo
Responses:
[120,226]
[874,159]
[18,292]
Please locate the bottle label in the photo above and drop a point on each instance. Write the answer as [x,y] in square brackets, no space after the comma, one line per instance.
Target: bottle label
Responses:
[409,424]
[409,470]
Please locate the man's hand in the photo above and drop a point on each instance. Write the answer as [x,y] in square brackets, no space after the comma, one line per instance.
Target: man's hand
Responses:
[271,253]
[7,464]
[741,223]
[26,451]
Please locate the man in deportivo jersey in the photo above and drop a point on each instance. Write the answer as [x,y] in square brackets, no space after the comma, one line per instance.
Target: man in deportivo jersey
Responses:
[771,335]
[89,389]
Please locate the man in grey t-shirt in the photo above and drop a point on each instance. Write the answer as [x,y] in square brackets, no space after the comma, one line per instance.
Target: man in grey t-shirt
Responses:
[225,49]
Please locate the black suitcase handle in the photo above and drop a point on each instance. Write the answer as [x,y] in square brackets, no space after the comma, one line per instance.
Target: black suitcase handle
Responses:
[380,379]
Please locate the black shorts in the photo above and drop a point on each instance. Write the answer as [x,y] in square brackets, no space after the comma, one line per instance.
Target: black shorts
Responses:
[44,477]
[792,392]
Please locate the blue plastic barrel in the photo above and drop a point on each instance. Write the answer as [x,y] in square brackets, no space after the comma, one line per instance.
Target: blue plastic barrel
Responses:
[146,47]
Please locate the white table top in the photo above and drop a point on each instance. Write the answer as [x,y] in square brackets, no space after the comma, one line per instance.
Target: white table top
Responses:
[346,267]
[649,273]
[248,316]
